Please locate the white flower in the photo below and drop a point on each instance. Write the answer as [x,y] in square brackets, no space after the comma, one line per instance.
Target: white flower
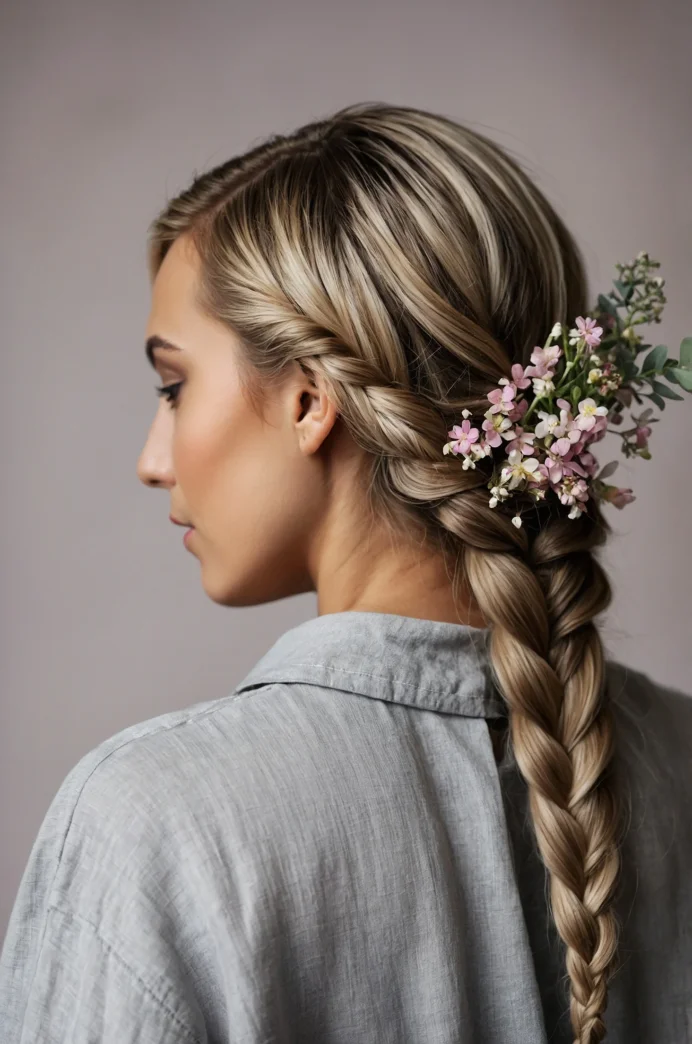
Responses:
[595,360]
[500,423]
[466,414]
[575,511]
[519,468]
[498,493]
[594,375]
[547,425]
[542,386]
[468,463]
[556,330]
[516,521]
[588,412]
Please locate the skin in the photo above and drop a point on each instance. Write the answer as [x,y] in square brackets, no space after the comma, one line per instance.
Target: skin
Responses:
[275,500]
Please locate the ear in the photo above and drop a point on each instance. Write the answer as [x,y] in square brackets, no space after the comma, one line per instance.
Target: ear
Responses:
[314,412]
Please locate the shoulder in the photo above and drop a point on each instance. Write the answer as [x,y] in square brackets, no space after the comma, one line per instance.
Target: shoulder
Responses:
[133,795]
[94,915]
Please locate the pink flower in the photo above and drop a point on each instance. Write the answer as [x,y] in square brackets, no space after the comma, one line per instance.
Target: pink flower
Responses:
[641,435]
[463,436]
[544,361]
[519,377]
[498,426]
[502,399]
[588,462]
[571,490]
[595,434]
[522,441]
[558,468]
[565,444]
[587,331]
[617,496]
[519,410]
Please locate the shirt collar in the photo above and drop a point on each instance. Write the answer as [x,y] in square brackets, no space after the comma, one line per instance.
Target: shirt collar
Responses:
[428,664]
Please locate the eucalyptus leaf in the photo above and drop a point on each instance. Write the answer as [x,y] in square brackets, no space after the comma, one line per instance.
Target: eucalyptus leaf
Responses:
[686,353]
[683,378]
[657,399]
[624,291]
[607,305]
[607,470]
[656,358]
[665,391]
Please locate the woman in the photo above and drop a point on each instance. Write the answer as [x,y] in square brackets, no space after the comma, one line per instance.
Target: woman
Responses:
[434,813]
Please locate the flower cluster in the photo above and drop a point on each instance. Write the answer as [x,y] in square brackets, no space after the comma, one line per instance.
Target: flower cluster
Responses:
[546,417]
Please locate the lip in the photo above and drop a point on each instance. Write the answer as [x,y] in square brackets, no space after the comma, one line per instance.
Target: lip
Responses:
[177,521]
[187,535]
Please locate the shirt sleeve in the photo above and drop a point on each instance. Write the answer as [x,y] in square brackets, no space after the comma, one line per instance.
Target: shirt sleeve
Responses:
[86,957]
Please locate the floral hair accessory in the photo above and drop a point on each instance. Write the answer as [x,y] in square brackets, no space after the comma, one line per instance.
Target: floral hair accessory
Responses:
[544,419]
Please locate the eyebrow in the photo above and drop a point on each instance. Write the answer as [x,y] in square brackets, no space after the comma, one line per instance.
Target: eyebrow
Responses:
[158,342]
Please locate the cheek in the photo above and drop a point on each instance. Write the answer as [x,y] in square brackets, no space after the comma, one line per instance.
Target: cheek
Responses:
[242,483]
[198,451]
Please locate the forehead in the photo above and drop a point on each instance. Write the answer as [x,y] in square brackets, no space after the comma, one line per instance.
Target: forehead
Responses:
[174,287]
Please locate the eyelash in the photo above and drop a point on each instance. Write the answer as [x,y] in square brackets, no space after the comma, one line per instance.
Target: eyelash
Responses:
[171,391]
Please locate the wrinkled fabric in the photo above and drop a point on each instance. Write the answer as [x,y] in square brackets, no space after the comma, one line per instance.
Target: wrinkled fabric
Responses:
[331,853]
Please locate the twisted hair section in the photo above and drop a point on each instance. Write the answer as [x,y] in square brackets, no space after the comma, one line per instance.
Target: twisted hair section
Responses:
[410,261]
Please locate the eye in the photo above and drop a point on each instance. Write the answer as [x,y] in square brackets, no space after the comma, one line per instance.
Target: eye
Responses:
[171,391]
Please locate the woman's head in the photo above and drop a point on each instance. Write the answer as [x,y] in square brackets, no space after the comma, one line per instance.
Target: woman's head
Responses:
[344,293]
[388,257]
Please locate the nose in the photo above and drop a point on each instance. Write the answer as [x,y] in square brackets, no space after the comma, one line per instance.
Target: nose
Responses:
[155,466]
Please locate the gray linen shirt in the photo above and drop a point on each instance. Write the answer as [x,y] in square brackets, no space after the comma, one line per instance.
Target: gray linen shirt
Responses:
[331,854]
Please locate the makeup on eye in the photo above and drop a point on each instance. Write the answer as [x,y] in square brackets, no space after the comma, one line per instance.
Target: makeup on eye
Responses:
[171,392]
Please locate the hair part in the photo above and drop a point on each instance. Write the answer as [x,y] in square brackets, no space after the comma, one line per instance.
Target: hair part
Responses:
[410,261]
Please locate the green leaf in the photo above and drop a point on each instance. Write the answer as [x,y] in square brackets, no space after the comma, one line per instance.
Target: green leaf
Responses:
[657,399]
[686,353]
[607,305]
[607,470]
[624,291]
[683,378]
[665,391]
[656,358]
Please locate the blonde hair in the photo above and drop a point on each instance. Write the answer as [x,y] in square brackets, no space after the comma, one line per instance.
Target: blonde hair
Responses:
[409,261]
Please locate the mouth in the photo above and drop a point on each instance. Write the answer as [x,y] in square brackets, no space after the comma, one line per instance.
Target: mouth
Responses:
[177,522]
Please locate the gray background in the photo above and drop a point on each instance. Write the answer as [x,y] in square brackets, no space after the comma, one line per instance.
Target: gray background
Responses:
[107,108]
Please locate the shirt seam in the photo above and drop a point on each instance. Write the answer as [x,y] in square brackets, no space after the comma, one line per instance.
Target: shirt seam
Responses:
[111,949]
[426,691]
[348,670]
